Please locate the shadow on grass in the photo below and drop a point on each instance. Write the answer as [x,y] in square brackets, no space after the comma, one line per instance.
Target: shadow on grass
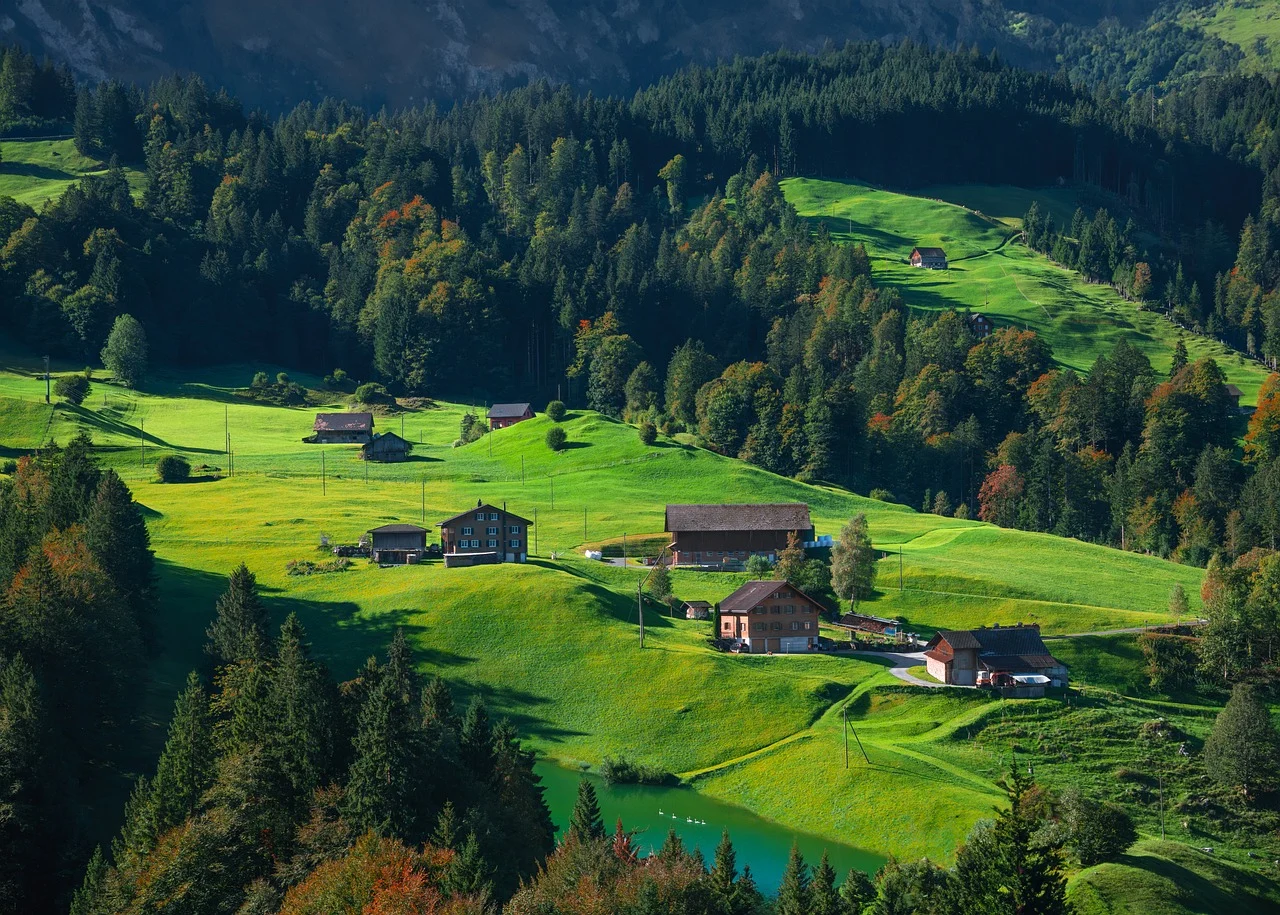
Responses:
[1210,895]
[42,172]
[108,425]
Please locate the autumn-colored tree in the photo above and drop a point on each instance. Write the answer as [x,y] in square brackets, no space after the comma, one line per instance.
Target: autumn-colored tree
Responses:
[999,495]
[1262,441]
[1141,280]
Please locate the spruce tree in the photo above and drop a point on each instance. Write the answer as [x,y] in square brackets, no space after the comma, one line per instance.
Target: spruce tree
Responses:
[672,849]
[794,895]
[116,534]
[381,788]
[823,898]
[437,705]
[186,767]
[21,774]
[746,895]
[476,741]
[300,712]
[724,871]
[469,874]
[857,892]
[73,484]
[1243,749]
[446,832]
[585,822]
[239,629]
[1030,872]
[88,897]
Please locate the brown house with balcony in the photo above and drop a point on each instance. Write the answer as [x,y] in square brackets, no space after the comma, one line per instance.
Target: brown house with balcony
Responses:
[959,656]
[502,415]
[769,616]
[484,534]
[342,429]
[710,535]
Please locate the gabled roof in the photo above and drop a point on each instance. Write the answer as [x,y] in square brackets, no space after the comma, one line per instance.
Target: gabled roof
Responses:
[697,603]
[343,422]
[383,436]
[929,252]
[508,410]
[750,595]
[399,529]
[866,623]
[1000,648]
[1233,390]
[485,507]
[776,516]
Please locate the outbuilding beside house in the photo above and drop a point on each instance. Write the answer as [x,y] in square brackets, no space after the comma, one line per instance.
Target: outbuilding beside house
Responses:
[697,610]
[342,429]
[963,657]
[386,447]
[717,535]
[398,543]
[502,415]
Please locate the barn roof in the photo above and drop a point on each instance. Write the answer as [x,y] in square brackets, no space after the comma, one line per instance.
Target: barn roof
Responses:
[508,410]
[399,529]
[485,506]
[1001,647]
[388,437]
[776,516]
[930,252]
[343,422]
[1233,390]
[749,596]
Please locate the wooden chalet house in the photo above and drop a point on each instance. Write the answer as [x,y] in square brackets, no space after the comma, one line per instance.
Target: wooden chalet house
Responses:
[962,657]
[769,616]
[484,534]
[980,324]
[397,543]
[342,429]
[386,447]
[502,415]
[929,258]
[719,535]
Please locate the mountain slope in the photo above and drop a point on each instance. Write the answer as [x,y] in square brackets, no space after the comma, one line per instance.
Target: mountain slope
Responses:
[399,51]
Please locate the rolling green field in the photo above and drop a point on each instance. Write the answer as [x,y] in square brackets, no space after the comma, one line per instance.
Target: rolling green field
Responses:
[992,273]
[1252,25]
[554,644]
[34,171]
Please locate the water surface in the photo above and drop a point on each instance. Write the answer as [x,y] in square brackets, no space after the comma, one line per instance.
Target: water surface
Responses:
[762,844]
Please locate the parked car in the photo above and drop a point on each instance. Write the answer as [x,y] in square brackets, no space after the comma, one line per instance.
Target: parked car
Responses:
[984,678]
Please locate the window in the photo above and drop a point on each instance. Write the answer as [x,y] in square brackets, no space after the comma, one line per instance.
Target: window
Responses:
[515,544]
[777,625]
[808,625]
[760,627]
[795,624]
[493,544]
[468,531]
[758,610]
[805,608]
[784,593]
[775,609]
[492,532]
[513,529]
[479,516]
[726,624]
[493,516]
[791,608]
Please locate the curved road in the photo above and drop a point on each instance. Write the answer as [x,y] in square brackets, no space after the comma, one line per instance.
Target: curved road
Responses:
[901,662]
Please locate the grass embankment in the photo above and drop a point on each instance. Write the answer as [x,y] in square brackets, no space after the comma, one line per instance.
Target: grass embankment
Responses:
[1251,25]
[554,643]
[34,171]
[992,273]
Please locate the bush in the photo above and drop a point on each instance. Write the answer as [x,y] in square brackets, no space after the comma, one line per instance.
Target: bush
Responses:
[282,379]
[9,467]
[1243,749]
[648,432]
[556,411]
[173,469]
[260,381]
[881,495]
[337,380]
[471,427]
[758,567]
[623,771]
[373,393]
[72,388]
[1095,831]
[556,438]
[962,512]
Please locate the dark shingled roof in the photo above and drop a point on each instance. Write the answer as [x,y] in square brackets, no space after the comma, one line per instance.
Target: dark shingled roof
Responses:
[776,516]
[697,603]
[930,252]
[1005,648]
[1233,390]
[399,529]
[508,410]
[752,593]
[486,507]
[343,422]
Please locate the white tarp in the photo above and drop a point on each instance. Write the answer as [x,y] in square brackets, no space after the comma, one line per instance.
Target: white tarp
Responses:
[1031,679]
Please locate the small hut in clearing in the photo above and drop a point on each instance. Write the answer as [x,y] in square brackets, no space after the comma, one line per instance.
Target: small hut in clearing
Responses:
[386,447]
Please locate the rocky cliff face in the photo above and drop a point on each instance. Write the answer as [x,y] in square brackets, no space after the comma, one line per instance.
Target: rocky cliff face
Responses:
[395,52]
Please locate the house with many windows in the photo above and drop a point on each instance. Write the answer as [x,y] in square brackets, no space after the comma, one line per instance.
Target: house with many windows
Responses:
[769,616]
[484,534]
[727,535]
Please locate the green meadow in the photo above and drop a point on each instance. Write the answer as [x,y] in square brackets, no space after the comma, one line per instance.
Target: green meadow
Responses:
[991,272]
[36,171]
[1251,25]
[555,643]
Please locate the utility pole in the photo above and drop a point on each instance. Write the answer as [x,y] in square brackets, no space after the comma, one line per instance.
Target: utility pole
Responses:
[46,379]
[899,568]
[553,493]
[522,470]
[535,532]
[226,427]
[640,607]
[322,480]
[584,524]
[624,551]
[142,440]
[422,514]
[845,713]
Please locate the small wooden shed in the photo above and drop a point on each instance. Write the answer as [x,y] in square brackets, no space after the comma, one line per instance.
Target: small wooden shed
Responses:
[386,447]
[398,543]
[697,610]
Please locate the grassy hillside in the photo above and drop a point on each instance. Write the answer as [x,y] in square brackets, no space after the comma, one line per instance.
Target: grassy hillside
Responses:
[993,274]
[1252,25]
[554,643]
[33,171]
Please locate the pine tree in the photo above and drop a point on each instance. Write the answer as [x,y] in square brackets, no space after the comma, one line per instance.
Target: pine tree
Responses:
[382,783]
[794,896]
[475,741]
[1243,749]
[469,873]
[857,892]
[73,484]
[724,871]
[823,898]
[672,849]
[1180,358]
[21,774]
[446,832]
[437,705]
[239,629]
[116,534]
[585,822]
[300,712]
[88,897]
[186,767]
